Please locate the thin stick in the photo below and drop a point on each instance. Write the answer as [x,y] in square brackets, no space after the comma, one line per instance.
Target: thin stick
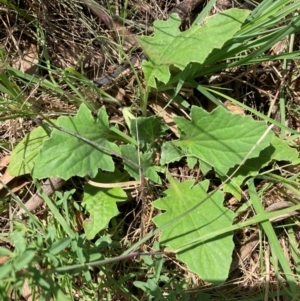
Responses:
[142,193]
[123,185]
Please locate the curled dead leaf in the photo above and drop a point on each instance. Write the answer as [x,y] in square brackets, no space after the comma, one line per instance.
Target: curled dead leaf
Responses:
[28,62]
[278,206]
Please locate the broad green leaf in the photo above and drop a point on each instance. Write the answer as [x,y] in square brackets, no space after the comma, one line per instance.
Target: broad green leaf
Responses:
[24,154]
[64,155]
[220,138]
[191,161]
[250,167]
[101,203]
[19,238]
[283,152]
[5,269]
[211,260]
[279,150]
[24,259]
[169,46]
[5,252]
[43,282]
[204,167]
[146,161]
[170,153]
[149,129]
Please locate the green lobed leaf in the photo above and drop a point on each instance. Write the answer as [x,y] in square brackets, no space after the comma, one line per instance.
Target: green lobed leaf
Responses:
[170,153]
[191,161]
[149,129]
[148,169]
[204,167]
[64,155]
[220,138]
[211,260]
[279,150]
[24,154]
[250,168]
[283,152]
[101,203]
[169,46]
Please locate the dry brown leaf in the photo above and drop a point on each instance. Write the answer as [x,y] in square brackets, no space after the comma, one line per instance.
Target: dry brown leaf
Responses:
[15,184]
[6,178]
[167,116]
[233,108]
[4,161]
[158,106]
[117,93]
[279,47]
[27,291]
[4,259]
[245,251]
[79,220]
[49,187]
[278,206]
[28,62]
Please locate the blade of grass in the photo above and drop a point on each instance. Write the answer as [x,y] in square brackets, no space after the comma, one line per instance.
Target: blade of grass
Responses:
[253,111]
[265,216]
[262,7]
[56,214]
[42,41]
[294,249]
[19,11]
[205,11]
[288,183]
[207,94]
[35,80]
[272,238]
[254,220]
[278,36]
[33,218]
[267,14]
